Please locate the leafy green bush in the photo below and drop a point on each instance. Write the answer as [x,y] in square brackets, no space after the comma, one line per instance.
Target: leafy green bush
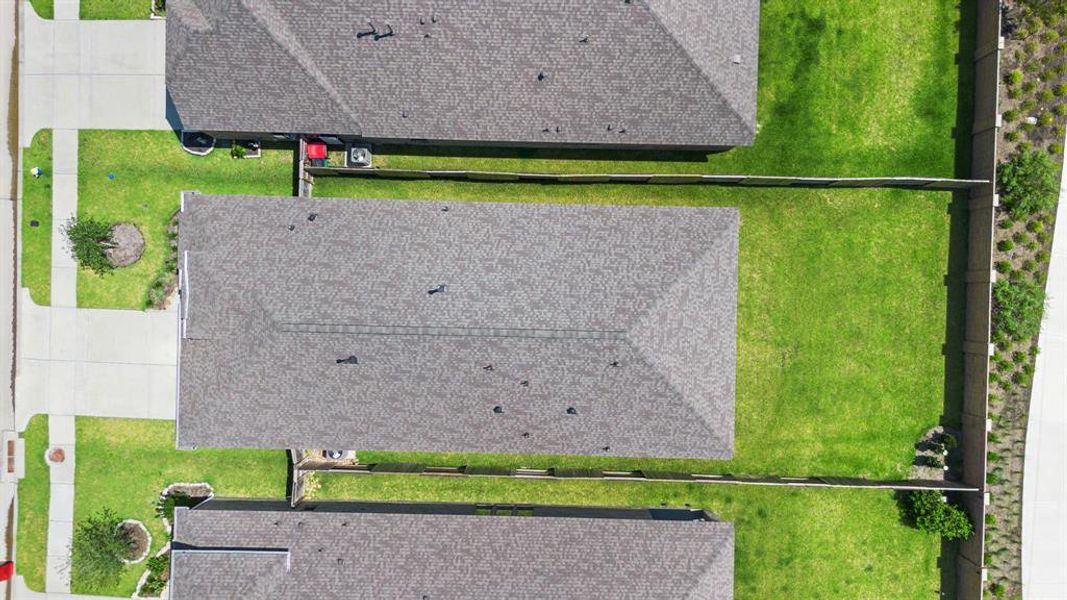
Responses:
[97,550]
[1003,266]
[237,151]
[1014,93]
[1055,148]
[927,512]
[1028,86]
[89,241]
[1018,307]
[1005,245]
[1035,226]
[1010,115]
[1028,182]
[1012,136]
[1046,95]
[1014,77]
[992,478]
[997,589]
[1045,119]
[1049,35]
[1042,256]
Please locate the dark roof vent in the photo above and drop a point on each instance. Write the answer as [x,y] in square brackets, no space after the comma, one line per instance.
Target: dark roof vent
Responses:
[605,448]
[614,363]
[437,290]
[444,209]
[349,360]
[292,227]
[488,367]
[313,216]
[541,76]
[525,383]
[498,409]
[572,411]
[526,434]
[584,39]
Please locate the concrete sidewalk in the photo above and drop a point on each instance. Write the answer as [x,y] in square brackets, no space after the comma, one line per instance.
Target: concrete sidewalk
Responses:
[91,74]
[1044,516]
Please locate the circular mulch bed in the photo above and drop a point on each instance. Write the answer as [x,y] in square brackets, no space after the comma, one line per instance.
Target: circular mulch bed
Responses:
[55,456]
[128,245]
[138,541]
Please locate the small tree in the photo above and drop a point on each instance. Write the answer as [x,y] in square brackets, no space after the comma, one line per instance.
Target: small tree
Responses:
[928,512]
[89,241]
[1028,182]
[97,549]
[1018,308]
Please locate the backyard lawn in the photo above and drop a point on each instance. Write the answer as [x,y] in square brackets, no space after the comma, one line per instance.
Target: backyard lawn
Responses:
[124,464]
[31,545]
[150,171]
[790,543]
[36,259]
[846,88]
[842,308]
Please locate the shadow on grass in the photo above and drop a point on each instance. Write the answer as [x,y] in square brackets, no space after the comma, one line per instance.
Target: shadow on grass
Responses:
[601,154]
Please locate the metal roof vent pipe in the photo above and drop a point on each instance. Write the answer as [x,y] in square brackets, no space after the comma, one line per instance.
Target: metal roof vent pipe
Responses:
[437,290]
[349,360]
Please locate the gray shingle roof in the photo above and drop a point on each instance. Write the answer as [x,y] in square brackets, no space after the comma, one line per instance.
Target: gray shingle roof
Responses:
[651,72]
[233,553]
[541,302]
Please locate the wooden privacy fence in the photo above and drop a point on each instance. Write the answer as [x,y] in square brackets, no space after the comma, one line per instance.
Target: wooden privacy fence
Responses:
[913,183]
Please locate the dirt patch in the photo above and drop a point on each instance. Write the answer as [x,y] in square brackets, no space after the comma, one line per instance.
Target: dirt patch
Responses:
[137,540]
[127,245]
[936,457]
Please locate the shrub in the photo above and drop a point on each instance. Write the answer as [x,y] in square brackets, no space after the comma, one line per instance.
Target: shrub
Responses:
[1006,222]
[1024,146]
[1010,115]
[1033,245]
[992,456]
[1044,236]
[997,589]
[237,151]
[1014,93]
[1055,148]
[1035,226]
[1040,277]
[1028,86]
[1003,266]
[1029,265]
[96,550]
[89,241]
[1045,119]
[993,437]
[1014,77]
[948,441]
[1046,95]
[1060,109]
[1005,245]
[1019,356]
[1018,308]
[1060,90]
[1021,238]
[1012,136]
[1028,182]
[992,478]
[1043,256]
[1028,104]
[1049,35]
[927,512]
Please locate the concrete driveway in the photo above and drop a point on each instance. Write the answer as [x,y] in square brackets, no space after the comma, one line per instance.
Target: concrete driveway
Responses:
[91,74]
[104,363]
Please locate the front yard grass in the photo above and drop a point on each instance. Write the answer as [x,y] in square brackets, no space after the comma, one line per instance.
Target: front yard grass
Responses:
[32,540]
[114,9]
[842,314]
[36,258]
[124,464]
[790,543]
[151,170]
[846,88]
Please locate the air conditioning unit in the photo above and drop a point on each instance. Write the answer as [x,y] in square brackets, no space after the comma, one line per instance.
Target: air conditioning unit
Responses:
[358,156]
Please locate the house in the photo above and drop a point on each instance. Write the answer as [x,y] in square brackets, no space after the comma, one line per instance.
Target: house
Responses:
[263,549]
[457,326]
[598,73]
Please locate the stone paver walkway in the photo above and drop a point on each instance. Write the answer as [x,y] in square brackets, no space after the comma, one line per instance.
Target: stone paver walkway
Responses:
[1044,543]
[91,74]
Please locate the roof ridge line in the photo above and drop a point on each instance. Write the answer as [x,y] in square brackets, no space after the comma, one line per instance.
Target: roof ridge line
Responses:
[257,9]
[692,61]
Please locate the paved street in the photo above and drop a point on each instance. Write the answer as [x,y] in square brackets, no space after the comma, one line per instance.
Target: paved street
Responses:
[1044,543]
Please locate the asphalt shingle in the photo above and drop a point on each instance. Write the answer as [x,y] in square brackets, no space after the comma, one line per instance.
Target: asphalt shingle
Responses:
[595,329]
[659,73]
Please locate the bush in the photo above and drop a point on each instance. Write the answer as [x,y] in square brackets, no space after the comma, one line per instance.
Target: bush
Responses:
[1028,86]
[1060,90]
[96,551]
[1005,245]
[1010,115]
[1028,182]
[1014,77]
[1049,35]
[1012,136]
[1043,256]
[1018,308]
[1003,266]
[237,151]
[1029,265]
[927,512]
[89,241]
[1046,95]
[1021,238]
[1045,119]
[1055,148]
[992,478]
[1014,93]
[1035,226]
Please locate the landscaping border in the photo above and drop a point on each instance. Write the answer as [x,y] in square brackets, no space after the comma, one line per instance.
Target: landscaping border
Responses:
[915,183]
[970,570]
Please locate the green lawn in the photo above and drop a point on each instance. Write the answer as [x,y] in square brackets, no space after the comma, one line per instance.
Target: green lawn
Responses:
[37,206]
[32,542]
[842,310]
[151,170]
[846,88]
[124,464]
[790,543]
[44,8]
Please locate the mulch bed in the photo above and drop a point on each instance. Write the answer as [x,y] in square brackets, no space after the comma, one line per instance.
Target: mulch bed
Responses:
[127,245]
[137,540]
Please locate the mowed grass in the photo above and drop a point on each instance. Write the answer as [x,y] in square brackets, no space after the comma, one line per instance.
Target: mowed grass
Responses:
[114,9]
[846,88]
[32,540]
[842,313]
[44,8]
[124,464]
[150,171]
[36,258]
[790,543]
